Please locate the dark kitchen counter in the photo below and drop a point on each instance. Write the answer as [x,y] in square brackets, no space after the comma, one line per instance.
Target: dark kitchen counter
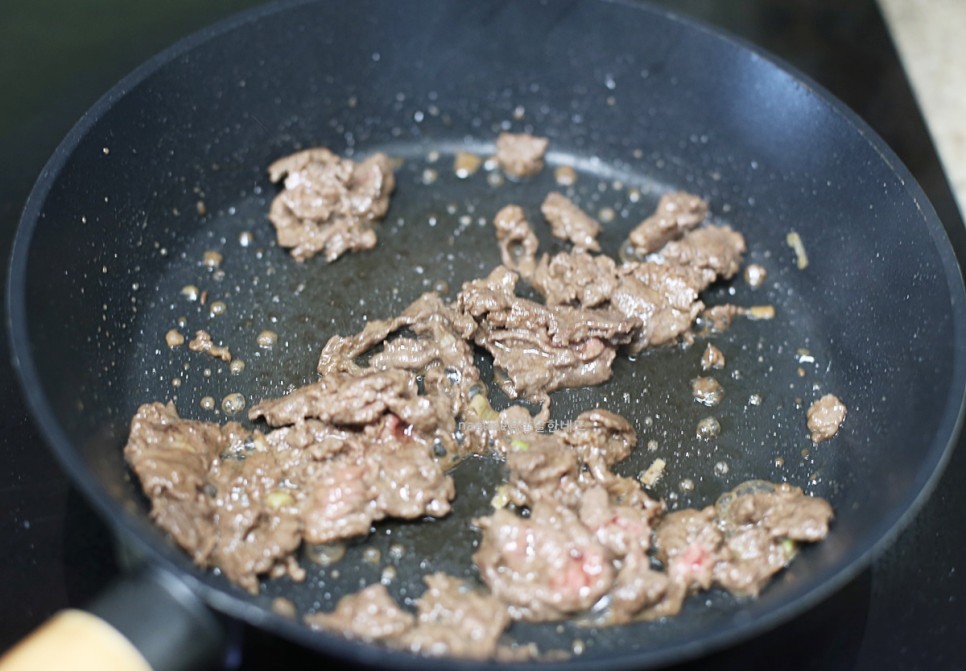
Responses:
[908,610]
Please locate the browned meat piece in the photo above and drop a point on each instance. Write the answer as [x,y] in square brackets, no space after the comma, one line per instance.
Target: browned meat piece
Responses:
[825,416]
[369,615]
[712,358]
[209,500]
[676,214]
[543,567]
[569,222]
[542,468]
[718,318]
[600,436]
[350,400]
[518,243]
[622,529]
[438,351]
[542,348]
[636,587]
[575,278]
[329,203]
[707,391]
[715,251]
[663,297]
[520,155]
[202,342]
[455,620]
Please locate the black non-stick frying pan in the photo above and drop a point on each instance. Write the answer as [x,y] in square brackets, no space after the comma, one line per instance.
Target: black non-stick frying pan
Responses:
[171,163]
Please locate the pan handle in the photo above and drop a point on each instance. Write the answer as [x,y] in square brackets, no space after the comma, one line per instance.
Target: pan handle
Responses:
[148,620]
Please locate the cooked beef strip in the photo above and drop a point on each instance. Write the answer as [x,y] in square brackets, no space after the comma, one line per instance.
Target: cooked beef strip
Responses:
[568,222]
[244,501]
[739,543]
[328,203]
[718,318]
[542,348]
[676,214]
[517,241]
[232,513]
[369,615]
[544,567]
[354,400]
[637,586]
[438,351]
[575,278]
[520,154]
[714,251]
[825,416]
[454,619]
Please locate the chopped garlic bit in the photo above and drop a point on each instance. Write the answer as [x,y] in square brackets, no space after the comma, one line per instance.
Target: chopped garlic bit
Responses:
[794,241]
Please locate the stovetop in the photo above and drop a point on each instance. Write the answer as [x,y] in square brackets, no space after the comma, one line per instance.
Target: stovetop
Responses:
[908,610]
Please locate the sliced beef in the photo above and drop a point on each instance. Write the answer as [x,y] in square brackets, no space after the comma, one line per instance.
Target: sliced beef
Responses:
[600,436]
[676,214]
[542,348]
[544,567]
[220,495]
[353,400]
[517,241]
[714,251]
[568,222]
[369,615]
[429,339]
[825,417]
[575,278]
[637,587]
[542,468]
[520,154]
[456,620]
[663,297]
[328,204]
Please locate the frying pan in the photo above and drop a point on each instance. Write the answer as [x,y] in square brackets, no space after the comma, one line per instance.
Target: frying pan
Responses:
[638,101]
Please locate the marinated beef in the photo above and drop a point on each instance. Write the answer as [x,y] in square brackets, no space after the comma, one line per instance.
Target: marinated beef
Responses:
[518,244]
[328,204]
[544,567]
[520,155]
[676,214]
[542,348]
[452,619]
[825,417]
[575,278]
[739,543]
[368,615]
[568,222]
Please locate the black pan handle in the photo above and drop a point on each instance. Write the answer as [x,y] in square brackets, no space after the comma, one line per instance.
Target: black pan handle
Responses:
[147,619]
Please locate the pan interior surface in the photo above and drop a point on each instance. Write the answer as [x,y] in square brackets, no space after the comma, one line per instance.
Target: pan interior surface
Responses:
[173,165]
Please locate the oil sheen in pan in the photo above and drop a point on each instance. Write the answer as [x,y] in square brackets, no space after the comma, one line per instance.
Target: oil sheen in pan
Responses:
[436,236]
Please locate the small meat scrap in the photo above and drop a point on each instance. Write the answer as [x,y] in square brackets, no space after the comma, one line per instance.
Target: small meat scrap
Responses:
[542,348]
[520,155]
[707,391]
[718,318]
[202,342]
[676,214]
[518,244]
[568,222]
[712,358]
[328,204]
[825,417]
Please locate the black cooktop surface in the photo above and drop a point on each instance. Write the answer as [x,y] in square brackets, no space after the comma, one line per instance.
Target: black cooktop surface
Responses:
[908,610]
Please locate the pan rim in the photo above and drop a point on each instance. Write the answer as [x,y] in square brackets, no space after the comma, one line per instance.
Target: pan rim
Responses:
[237,605]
